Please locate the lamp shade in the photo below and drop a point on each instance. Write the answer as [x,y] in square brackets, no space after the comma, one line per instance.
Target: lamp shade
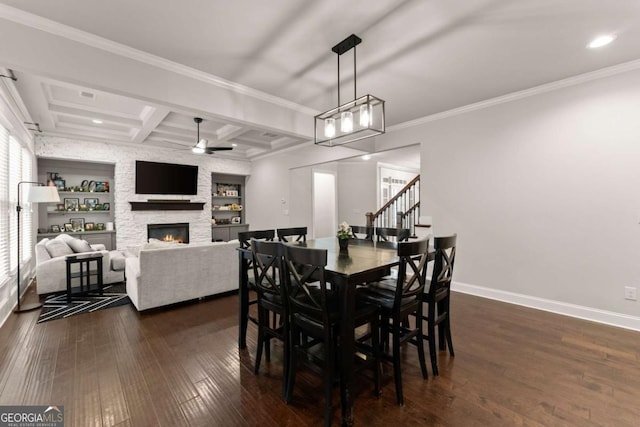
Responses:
[42,194]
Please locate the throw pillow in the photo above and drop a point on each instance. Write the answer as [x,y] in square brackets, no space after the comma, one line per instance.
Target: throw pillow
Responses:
[57,248]
[79,246]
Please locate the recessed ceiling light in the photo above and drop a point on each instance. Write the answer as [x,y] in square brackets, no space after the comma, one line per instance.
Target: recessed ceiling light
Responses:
[234,145]
[602,40]
[366,157]
[96,121]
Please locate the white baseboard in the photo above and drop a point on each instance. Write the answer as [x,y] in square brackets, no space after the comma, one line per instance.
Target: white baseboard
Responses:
[572,310]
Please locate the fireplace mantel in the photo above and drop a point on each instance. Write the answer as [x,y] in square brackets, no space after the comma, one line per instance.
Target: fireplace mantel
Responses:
[167,205]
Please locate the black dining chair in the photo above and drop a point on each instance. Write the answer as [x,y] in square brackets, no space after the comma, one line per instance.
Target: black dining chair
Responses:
[244,237]
[399,298]
[314,315]
[293,234]
[361,233]
[387,234]
[273,315]
[437,298]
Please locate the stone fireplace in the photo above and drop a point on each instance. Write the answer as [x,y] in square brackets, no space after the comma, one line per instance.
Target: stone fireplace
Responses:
[176,232]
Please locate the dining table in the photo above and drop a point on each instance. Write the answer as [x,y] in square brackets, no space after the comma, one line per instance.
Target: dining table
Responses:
[360,263]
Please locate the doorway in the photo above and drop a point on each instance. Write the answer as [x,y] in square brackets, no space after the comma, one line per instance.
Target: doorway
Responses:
[324,204]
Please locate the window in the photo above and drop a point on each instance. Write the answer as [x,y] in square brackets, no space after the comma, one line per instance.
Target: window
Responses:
[4,203]
[16,164]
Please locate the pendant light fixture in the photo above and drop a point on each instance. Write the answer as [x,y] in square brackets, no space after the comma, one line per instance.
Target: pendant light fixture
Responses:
[358,119]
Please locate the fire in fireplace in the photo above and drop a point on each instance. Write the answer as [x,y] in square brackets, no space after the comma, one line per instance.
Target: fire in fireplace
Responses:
[177,232]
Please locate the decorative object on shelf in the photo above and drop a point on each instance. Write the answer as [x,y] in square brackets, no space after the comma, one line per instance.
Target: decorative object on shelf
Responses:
[338,125]
[77,224]
[60,184]
[71,204]
[91,202]
[84,185]
[100,226]
[55,228]
[68,226]
[201,146]
[91,186]
[343,235]
[60,207]
[38,193]
[89,226]
[232,193]
[235,220]
[102,187]
[106,206]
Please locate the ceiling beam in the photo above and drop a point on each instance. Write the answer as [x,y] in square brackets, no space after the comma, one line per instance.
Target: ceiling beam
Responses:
[152,117]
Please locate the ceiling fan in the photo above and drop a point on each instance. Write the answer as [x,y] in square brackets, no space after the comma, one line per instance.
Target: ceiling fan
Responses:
[201,144]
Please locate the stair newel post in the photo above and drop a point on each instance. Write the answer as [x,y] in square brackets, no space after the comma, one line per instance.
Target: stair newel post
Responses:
[369,221]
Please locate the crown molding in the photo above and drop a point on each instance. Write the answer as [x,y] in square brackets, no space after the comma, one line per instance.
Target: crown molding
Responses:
[43,24]
[526,93]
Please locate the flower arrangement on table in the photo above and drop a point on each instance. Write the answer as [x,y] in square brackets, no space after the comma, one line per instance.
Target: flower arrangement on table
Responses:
[344,232]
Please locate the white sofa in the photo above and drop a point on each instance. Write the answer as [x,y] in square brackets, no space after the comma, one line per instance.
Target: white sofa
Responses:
[171,273]
[51,268]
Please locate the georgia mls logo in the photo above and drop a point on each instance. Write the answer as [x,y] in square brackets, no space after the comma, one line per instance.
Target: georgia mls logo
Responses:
[31,416]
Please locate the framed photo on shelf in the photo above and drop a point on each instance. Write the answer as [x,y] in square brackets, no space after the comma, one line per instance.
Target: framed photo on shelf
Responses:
[235,220]
[106,206]
[77,224]
[71,203]
[89,226]
[55,228]
[100,226]
[231,193]
[102,186]
[91,202]
[60,183]
[68,227]
[60,207]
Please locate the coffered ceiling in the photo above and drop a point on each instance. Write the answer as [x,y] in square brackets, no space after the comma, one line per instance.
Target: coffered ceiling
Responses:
[258,71]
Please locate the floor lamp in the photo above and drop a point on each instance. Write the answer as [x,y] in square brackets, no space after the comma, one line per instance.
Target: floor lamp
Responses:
[37,194]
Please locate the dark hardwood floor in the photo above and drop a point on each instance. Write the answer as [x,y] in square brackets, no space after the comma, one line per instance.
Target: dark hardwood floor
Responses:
[181,367]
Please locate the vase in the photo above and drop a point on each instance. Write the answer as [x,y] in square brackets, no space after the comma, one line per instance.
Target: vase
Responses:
[344,245]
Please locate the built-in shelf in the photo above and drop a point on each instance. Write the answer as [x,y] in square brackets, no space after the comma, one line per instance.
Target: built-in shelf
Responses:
[177,205]
[76,212]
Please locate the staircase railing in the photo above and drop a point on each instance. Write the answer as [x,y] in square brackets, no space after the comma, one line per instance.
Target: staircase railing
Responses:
[401,211]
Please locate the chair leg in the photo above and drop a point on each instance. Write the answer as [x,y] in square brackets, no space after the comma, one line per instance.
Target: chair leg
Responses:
[397,372]
[448,335]
[285,359]
[431,331]
[375,345]
[291,371]
[420,345]
[261,340]
[328,379]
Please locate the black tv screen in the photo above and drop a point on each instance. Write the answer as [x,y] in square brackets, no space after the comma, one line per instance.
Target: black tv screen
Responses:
[166,178]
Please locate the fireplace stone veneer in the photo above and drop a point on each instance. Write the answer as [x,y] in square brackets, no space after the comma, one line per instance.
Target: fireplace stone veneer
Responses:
[177,232]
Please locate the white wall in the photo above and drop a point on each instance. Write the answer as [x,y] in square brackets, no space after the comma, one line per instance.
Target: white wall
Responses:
[357,188]
[542,193]
[131,227]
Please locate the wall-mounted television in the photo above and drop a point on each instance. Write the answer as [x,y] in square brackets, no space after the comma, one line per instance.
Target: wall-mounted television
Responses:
[166,178]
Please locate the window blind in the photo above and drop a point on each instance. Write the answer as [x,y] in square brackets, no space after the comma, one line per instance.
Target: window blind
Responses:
[15,167]
[4,203]
[28,208]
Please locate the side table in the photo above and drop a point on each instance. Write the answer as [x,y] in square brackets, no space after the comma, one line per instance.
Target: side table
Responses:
[87,274]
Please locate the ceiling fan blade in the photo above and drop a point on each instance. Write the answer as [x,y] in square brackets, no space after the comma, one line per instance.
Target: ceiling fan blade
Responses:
[211,150]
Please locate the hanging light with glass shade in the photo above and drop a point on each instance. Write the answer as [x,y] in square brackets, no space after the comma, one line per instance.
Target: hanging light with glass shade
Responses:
[358,119]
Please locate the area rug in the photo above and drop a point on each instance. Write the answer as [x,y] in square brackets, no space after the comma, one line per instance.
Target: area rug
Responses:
[57,307]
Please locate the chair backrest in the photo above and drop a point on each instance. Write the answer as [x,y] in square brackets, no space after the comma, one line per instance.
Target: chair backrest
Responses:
[361,233]
[305,283]
[268,271]
[385,234]
[294,234]
[444,257]
[245,237]
[412,271]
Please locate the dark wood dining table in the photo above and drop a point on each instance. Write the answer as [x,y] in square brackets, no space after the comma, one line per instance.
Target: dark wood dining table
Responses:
[360,264]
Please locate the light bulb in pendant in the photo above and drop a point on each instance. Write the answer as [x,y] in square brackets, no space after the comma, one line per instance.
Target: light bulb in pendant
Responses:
[330,128]
[346,122]
[365,116]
